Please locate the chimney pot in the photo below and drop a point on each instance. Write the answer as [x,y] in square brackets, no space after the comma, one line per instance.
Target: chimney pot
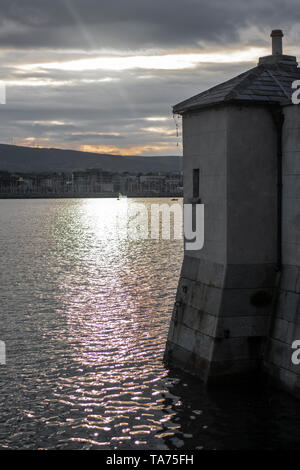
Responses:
[277,36]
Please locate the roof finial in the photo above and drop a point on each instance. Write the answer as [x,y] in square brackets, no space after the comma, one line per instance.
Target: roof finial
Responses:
[277,36]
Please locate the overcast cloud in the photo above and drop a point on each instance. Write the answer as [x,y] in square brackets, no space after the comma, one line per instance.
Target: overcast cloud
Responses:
[98,75]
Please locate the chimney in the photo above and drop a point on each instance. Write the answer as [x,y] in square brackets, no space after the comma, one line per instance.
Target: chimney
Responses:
[277,56]
[277,36]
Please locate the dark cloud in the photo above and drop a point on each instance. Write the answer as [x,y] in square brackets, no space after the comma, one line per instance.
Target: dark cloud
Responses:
[113,113]
[136,23]
[76,108]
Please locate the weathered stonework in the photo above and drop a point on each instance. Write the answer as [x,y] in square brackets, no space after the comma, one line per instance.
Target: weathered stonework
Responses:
[285,325]
[237,307]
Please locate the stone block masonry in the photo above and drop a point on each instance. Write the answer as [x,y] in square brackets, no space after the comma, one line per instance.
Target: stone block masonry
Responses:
[237,308]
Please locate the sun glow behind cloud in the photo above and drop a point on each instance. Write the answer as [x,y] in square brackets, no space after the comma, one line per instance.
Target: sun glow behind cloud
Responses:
[134,150]
[150,62]
[111,75]
[49,82]
[159,130]
[157,118]
[151,134]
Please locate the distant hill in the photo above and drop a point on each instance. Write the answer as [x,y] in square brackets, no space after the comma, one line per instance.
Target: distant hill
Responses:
[38,160]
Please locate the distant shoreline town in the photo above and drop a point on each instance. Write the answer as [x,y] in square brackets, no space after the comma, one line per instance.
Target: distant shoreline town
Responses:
[90,183]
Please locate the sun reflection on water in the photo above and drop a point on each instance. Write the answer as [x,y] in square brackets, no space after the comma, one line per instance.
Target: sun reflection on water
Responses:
[102,305]
[85,316]
[112,309]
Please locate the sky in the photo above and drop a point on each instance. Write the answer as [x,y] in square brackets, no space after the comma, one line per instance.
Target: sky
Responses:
[102,76]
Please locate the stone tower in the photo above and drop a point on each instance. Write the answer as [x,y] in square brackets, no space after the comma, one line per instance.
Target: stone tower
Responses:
[236,308]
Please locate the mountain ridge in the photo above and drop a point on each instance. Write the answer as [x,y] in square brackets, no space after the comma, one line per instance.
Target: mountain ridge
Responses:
[21,159]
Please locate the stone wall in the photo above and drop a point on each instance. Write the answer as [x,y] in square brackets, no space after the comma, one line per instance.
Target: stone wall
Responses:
[194,321]
[285,326]
[226,291]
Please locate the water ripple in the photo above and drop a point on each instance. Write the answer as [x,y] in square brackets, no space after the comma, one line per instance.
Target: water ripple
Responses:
[85,316]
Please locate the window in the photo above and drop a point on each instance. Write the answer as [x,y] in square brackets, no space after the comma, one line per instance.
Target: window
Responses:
[196,182]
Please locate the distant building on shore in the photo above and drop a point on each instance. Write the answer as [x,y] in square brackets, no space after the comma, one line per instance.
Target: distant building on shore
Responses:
[91,182]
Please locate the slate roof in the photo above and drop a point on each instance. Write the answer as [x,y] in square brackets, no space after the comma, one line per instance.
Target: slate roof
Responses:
[269,82]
